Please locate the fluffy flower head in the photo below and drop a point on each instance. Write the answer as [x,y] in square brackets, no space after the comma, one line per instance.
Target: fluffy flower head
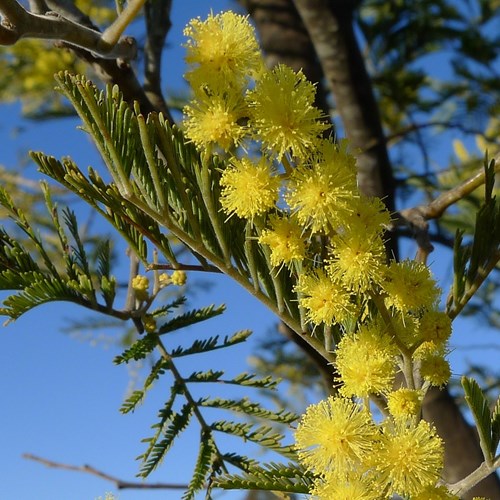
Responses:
[285,241]
[404,403]
[366,362]
[223,45]
[408,459]
[249,189]
[283,113]
[324,301]
[334,435]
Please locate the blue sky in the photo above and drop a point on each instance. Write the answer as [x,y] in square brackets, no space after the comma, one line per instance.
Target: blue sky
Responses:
[61,395]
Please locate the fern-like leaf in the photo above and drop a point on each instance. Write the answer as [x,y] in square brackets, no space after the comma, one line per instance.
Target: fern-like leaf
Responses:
[482,416]
[178,424]
[138,350]
[191,318]
[210,344]
[288,478]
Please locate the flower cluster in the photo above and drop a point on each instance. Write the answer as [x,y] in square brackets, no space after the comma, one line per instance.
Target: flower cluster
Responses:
[300,198]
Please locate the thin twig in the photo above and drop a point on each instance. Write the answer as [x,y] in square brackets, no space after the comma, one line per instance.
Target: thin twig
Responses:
[119,483]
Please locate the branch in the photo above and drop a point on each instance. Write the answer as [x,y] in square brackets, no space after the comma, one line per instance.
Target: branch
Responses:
[483,471]
[119,483]
[20,23]
[417,217]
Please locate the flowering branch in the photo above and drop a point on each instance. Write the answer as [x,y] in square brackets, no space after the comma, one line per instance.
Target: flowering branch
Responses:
[483,471]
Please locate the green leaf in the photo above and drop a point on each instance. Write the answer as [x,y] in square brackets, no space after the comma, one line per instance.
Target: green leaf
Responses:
[482,416]
[178,424]
[191,318]
[210,344]
[132,401]
[289,478]
[495,427]
[138,350]
[207,454]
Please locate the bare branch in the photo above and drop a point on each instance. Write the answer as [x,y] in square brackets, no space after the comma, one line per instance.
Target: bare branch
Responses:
[24,24]
[119,483]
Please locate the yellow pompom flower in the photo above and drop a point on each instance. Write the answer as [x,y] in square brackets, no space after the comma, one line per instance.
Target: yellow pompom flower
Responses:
[284,239]
[149,323]
[368,215]
[410,286]
[249,188]
[283,114]
[435,369]
[324,301]
[140,285]
[366,361]
[404,403]
[435,493]
[178,278]
[435,326]
[321,193]
[334,436]
[223,45]
[213,119]
[357,261]
[408,458]
[354,487]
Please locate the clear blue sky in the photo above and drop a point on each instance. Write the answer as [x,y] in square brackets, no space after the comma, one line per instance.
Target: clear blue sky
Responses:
[60,396]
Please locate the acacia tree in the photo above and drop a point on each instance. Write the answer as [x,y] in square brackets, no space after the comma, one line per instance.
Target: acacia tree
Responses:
[153,169]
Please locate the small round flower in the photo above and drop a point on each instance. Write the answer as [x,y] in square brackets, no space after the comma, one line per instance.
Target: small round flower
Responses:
[435,326]
[164,280]
[366,361]
[322,193]
[410,286]
[435,369]
[408,458]
[283,114]
[335,435]
[149,323]
[358,261]
[435,493]
[224,45]
[324,301]
[354,487]
[213,119]
[368,215]
[285,241]
[140,285]
[178,278]
[404,403]
[249,189]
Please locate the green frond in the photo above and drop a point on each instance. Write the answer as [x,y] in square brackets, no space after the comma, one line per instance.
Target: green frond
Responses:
[251,409]
[482,416]
[207,455]
[158,369]
[210,344]
[177,425]
[130,404]
[289,478]
[190,318]
[168,308]
[265,436]
[240,461]
[208,376]
[138,350]
[250,380]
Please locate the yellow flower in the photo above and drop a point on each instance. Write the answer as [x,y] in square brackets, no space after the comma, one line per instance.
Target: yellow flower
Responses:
[284,239]
[435,326]
[322,193]
[213,119]
[407,459]
[358,261]
[368,215]
[410,286]
[178,278]
[435,493]
[324,301]
[249,189]
[283,113]
[435,369]
[335,435]
[404,403]
[140,285]
[366,361]
[223,45]
[354,487]
[149,323]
